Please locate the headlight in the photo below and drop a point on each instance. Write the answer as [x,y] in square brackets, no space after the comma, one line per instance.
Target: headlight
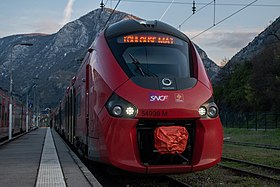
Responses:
[119,107]
[202,111]
[129,111]
[212,111]
[117,110]
[208,109]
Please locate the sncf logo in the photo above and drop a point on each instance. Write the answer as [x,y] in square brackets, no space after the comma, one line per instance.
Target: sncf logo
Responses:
[159,98]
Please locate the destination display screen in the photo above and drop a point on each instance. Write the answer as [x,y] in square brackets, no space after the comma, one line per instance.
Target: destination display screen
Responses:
[156,38]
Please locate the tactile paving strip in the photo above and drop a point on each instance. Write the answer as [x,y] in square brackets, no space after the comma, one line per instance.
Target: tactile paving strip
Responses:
[50,172]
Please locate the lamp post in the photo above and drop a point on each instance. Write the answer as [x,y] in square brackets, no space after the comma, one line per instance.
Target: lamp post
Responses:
[27,106]
[27,115]
[11,90]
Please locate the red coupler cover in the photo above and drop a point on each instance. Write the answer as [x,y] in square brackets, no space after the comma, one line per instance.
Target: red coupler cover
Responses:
[171,139]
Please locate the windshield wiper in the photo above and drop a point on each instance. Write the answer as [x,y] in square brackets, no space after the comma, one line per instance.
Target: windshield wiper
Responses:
[139,66]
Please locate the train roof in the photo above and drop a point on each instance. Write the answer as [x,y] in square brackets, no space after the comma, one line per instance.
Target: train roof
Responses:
[131,26]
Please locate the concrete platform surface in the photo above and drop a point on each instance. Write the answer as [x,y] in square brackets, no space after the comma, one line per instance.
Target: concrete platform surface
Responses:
[41,158]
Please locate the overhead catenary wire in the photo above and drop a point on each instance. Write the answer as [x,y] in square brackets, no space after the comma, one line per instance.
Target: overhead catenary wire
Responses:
[185,20]
[214,17]
[205,5]
[111,14]
[166,9]
[224,19]
[106,2]
[187,3]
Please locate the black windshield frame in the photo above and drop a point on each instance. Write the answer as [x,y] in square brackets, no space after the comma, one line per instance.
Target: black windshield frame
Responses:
[121,51]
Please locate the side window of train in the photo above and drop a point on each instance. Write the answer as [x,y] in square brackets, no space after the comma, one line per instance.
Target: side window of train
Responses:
[78,104]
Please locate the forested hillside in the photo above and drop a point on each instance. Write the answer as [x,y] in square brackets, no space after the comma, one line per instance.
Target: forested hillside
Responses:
[253,85]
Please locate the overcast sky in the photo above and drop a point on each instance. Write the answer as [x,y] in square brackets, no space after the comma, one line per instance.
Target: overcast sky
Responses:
[222,41]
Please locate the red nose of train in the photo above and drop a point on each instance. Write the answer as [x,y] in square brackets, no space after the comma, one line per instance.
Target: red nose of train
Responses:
[162,119]
[144,116]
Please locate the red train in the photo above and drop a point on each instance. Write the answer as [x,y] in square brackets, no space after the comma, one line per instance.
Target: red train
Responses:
[19,116]
[142,102]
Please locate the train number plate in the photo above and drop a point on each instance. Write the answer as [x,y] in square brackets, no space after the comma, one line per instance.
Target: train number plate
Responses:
[154,113]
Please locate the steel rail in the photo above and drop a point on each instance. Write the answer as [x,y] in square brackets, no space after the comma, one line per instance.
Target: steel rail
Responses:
[242,171]
[274,169]
[176,183]
[252,145]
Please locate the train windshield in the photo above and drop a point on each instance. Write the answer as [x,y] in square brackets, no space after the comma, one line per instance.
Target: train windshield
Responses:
[153,54]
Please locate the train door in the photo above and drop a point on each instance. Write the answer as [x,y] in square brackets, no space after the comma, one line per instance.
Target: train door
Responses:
[87,106]
[60,119]
[74,115]
[71,115]
[66,119]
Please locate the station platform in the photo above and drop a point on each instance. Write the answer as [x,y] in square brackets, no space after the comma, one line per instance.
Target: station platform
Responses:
[41,158]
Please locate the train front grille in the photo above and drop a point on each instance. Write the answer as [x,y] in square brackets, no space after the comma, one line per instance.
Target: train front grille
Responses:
[149,154]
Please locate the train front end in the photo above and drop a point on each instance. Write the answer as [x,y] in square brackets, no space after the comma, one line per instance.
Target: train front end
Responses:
[160,116]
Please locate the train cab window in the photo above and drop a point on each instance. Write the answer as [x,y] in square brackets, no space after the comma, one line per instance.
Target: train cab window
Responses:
[152,54]
[156,60]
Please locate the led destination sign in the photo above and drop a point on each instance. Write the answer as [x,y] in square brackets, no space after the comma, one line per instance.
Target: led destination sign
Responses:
[149,38]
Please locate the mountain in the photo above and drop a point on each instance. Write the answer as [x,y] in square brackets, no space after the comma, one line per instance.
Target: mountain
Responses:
[250,81]
[54,59]
[211,67]
[266,38]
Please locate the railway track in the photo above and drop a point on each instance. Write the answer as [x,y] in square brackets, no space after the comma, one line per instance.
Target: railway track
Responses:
[252,145]
[133,180]
[176,183]
[153,181]
[251,169]
[108,176]
[263,172]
